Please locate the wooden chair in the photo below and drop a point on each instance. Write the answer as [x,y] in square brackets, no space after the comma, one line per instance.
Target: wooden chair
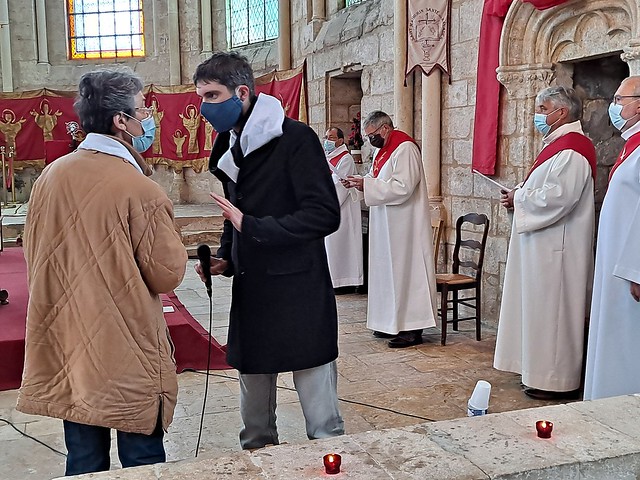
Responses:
[455,282]
[437,225]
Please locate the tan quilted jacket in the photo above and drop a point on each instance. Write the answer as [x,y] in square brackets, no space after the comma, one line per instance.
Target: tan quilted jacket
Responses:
[100,244]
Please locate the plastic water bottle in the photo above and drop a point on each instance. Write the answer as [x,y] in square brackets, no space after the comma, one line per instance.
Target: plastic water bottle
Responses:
[479,401]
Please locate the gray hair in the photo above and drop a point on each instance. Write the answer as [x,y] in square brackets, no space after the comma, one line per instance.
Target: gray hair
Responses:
[562,97]
[376,119]
[103,94]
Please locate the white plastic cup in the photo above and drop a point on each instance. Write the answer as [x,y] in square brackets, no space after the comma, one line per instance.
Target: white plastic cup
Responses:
[479,401]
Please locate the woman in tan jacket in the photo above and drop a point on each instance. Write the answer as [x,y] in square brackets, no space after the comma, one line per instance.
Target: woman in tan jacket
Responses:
[100,244]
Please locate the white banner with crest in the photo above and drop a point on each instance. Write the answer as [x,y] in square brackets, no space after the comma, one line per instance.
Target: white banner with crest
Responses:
[428,35]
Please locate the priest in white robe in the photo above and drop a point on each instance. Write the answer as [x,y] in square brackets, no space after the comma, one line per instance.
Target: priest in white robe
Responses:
[344,246]
[550,262]
[613,353]
[402,280]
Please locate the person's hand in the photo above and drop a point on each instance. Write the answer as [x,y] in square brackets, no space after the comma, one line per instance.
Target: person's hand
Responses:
[635,291]
[507,198]
[229,211]
[356,182]
[218,266]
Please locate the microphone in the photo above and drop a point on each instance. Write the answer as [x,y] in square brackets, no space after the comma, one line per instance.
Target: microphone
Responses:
[204,255]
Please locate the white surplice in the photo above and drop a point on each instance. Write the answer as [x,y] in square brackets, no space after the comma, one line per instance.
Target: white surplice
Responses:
[344,246]
[548,274]
[402,279]
[613,354]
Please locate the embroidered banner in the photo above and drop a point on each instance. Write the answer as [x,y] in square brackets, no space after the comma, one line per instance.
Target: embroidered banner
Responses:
[428,35]
[34,123]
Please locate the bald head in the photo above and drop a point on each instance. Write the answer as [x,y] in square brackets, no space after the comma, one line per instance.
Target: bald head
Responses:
[633,83]
[627,98]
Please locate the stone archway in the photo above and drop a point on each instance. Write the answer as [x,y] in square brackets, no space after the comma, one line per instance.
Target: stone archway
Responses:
[538,48]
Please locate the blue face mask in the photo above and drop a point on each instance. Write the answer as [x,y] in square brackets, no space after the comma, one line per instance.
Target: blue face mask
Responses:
[224,115]
[540,121]
[329,146]
[615,114]
[143,142]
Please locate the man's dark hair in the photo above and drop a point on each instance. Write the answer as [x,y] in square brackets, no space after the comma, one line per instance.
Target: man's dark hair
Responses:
[227,68]
[103,94]
[339,132]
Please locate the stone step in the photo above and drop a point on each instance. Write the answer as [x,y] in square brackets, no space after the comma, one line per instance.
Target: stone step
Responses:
[200,223]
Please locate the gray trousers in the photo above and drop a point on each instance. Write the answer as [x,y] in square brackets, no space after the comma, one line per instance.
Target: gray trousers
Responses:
[317,391]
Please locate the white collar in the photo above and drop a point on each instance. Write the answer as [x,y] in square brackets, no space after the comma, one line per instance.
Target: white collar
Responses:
[263,125]
[635,128]
[110,146]
[563,130]
[341,149]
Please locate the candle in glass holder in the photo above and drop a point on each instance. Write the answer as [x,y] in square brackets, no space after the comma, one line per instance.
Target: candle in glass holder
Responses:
[332,463]
[544,428]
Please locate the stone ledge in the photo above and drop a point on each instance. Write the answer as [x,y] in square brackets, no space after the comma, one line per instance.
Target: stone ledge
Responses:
[591,440]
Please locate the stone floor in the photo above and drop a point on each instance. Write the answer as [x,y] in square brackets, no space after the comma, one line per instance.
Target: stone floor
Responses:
[379,388]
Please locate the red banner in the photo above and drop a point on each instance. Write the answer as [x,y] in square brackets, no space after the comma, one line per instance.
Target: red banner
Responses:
[183,137]
[485,130]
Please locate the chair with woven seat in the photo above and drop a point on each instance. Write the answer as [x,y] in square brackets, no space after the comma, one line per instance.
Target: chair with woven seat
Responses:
[455,282]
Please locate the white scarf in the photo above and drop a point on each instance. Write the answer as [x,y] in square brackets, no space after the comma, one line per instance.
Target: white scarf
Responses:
[264,124]
[110,146]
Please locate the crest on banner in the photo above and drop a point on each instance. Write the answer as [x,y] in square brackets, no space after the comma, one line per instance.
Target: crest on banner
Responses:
[428,35]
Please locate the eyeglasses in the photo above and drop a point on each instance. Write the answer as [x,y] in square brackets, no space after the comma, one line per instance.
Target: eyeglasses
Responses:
[617,98]
[148,111]
[372,135]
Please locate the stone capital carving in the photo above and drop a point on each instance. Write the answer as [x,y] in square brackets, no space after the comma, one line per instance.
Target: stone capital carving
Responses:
[525,81]
[631,55]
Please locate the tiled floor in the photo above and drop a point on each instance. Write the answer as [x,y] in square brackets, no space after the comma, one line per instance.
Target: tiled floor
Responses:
[380,387]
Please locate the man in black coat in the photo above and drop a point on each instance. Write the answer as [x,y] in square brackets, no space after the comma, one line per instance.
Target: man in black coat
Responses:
[279,204]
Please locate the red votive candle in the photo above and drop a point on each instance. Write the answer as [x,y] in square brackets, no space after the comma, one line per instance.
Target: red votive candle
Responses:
[332,463]
[544,428]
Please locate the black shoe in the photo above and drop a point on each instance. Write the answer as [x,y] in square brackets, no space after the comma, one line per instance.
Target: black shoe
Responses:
[549,395]
[344,290]
[382,334]
[4,295]
[406,339]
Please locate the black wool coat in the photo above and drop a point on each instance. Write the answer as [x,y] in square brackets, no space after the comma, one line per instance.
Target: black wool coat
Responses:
[283,310]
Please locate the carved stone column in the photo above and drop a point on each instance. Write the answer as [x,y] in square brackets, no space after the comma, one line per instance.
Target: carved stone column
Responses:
[5,48]
[207,26]
[631,55]
[41,32]
[175,67]
[402,96]
[284,37]
[523,82]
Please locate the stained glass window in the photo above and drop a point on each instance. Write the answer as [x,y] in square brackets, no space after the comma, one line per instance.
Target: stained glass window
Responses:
[105,28]
[251,21]
[348,3]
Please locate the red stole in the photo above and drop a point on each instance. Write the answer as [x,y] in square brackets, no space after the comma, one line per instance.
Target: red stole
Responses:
[629,147]
[335,160]
[571,141]
[396,137]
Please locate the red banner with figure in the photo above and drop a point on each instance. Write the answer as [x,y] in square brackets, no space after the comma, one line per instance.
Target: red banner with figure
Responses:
[35,124]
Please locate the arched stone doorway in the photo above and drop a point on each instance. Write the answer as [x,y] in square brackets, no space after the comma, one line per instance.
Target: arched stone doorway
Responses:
[581,44]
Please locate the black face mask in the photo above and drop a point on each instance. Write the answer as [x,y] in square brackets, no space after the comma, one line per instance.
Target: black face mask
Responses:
[377,140]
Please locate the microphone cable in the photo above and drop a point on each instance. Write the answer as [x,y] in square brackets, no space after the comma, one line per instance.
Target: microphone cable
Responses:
[206,383]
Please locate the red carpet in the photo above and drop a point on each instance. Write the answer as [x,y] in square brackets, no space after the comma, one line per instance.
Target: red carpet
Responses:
[189,337]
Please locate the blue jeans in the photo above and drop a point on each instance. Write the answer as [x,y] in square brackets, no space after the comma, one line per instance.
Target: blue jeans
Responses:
[88,448]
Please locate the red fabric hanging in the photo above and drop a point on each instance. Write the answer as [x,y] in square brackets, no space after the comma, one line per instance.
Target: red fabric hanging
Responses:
[485,132]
